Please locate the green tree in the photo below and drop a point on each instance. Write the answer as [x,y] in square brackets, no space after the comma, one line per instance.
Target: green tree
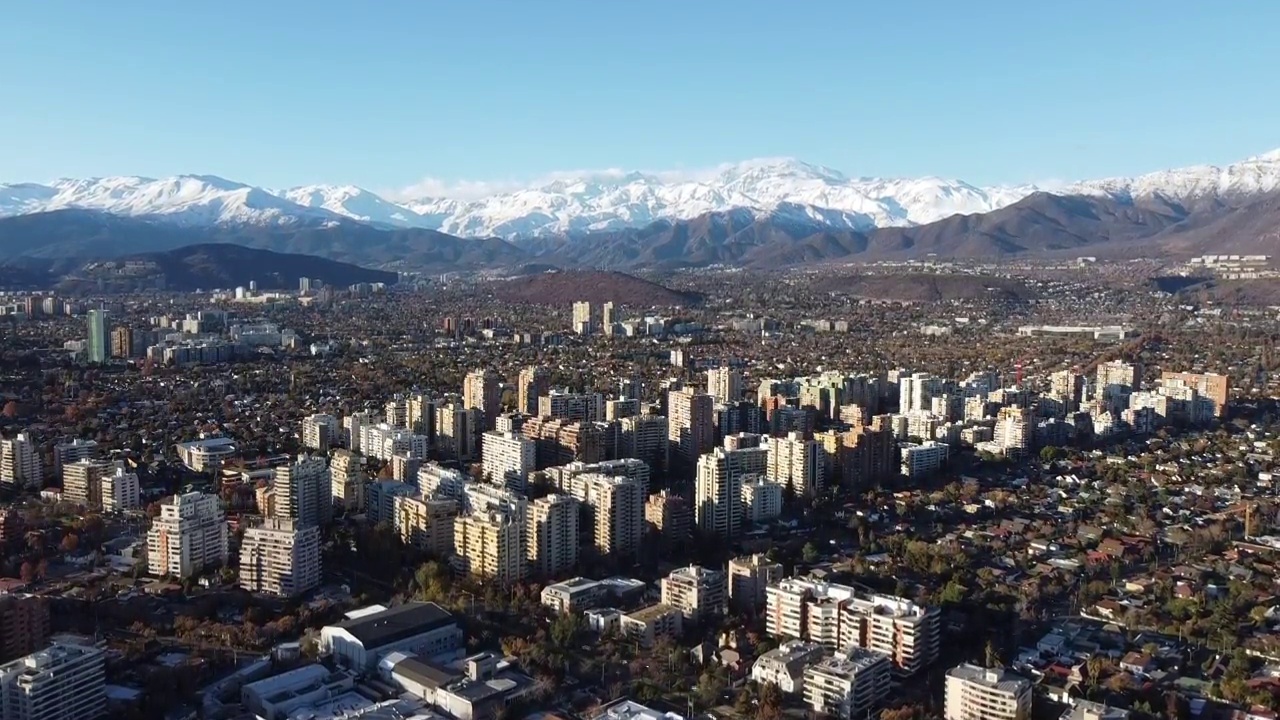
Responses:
[809,553]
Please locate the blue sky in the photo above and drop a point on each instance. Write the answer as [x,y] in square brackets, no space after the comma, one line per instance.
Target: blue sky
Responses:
[384,94]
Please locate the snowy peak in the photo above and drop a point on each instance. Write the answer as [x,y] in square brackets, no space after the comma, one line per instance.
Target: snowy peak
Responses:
[1253,176]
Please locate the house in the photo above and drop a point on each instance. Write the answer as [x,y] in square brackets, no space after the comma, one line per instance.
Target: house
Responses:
[1137,663]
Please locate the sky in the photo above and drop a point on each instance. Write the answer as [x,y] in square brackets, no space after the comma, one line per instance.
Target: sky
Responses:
[435,93]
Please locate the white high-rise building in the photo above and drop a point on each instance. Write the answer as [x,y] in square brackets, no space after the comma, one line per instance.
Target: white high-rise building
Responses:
[20,462]
[353,427]
[724,384]
[796,463]
[697,592]
[646,437]
[617,508]
[384,442]
[849,687]
[304,491]
[425,523]
[691,426]
[280,557]
[552,535]
[916,391]
[718,488]
[1013,429]
[82,482]
[582,318]
[582,407]
[120,490]
[189,535]
[840,616]
[977,693]
[61,682]
[320,432]
[923,459]
[761,499]
[572,478]
[72,451]
[508,458]
[347,479]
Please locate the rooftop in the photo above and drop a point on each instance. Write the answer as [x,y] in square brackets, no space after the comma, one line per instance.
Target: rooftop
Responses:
[397,623]
[857,660]
[998,679]
[631,710]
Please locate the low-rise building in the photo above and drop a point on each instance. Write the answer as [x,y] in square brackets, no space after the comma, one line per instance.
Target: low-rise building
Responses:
[978,693]
[784,665]
[648,624]
[848,687]
[366,635]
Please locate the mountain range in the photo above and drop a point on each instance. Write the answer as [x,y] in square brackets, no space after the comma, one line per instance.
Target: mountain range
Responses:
[758,213]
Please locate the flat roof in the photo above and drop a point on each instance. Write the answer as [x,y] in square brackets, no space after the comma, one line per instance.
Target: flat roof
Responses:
[397,623]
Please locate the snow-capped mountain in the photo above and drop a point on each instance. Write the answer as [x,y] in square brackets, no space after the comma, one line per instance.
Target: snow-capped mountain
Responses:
[617,200]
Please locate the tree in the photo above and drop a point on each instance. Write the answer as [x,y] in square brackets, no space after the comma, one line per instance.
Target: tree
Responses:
[770,702]
[992,655]
[70,543]
[809,553]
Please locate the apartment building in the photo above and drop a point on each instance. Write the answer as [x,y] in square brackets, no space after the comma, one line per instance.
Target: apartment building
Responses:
[569,478]
[617,510]
[648,624]
[425,523]
[560,441]
[575,407]
[718,488]
[458,431]
[978,693]
[481,391]
[849,687]
[697,592]
[82,482]
[533,383]
[552,535]
[280,557]
[320,432]
[670,517]
[646,437]
[690,424]
[120,490]
[490,544]
[761,499]
[304,491]
[347,478]
[189,535]
[24,625]
[841,616]
[750,576]
[20,463]
[61,682]
[507,459]
[923,459]
[724,384]
[797,463]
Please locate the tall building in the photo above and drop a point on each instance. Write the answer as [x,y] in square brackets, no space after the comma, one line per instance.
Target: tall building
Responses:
[761,499]
[189,535]
[481,391]
[82,482]
[490,544]
[608,318]
[867,454]
[459,431]
[122,342]
[749,578]
[552,535]
[977,693]
[99,343]
[690,424]
[1217,388]
[916,391]
[923,459]
[697,592]
[304,491]
[24,625]
[617,510]
[646,437]
[320,432]
[61,682]
[425,523]
[384,441]
[120,490]
[353,427]
[718,489]
[508,459]
[20,463]
[533,383]
[724,384]
[670,517]
[280,557]
[347,478]
[1067,387]
[849,687]
[70,451]
[580,407]
[1116,380]
[1014,428]
[582,318]
[797,463]
[572,478]
[421,415]
[840,616]
[396,412]
[559,441]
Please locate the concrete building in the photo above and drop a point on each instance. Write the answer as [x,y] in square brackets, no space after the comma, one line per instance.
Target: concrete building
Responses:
[690,424]
[617,512]
[784,665]
[1215,388]
[76,449]
[850,687]
[98,346]
[384,441]
[379,499]
[718,488]
[481,391]
[977,693]
[458,431]
[82,482]
[574,595]
[646,437]
[670,517]
[648,624]
[565,405]
[353,427]
[24,625]
[1086,710]
[552,535]
[1014,429]
[360,641]
[572,478]
[724,384]
[205,455]
[560,441]
[583,318]
[697,592]
[297,693]
[750,576]
[923,459]
[61,682]
[533,383]
[347,480]
[490,544]
[20,463]
[189,535]
[304,491]
[120,490]
[797,463]
[425,523]
[320,432]
[916,391]
[280,557]
[840,616]
[761,499]
[507,459]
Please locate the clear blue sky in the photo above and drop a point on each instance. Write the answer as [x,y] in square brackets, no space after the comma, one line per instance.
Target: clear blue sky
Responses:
[385,93]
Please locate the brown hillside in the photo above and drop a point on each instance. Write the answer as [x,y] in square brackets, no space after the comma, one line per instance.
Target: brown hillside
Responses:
[596,287]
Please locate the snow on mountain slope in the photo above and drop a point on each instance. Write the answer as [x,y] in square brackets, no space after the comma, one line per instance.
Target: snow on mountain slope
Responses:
[615,200]
[185,199]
